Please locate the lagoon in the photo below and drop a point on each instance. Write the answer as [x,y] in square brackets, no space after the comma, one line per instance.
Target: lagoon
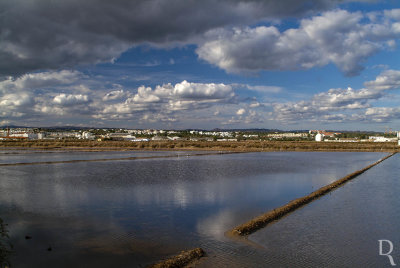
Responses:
[132,213]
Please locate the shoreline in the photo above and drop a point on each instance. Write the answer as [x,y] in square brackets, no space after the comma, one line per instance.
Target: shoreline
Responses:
[238,146]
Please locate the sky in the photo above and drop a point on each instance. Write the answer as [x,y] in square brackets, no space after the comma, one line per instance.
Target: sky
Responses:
[189,64]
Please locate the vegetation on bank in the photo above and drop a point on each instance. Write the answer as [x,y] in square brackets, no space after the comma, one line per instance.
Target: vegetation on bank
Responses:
[181,260]
[255,146]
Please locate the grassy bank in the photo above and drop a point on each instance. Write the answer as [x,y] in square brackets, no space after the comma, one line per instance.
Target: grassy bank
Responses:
[275,214]
[255,146]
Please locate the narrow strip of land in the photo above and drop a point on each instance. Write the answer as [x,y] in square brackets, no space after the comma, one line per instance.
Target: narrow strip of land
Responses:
[181,260]
[113,159]
[277,213]
[248,145]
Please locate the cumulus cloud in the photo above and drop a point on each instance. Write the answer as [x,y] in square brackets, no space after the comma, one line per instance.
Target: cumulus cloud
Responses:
[31,94]
[144,95]
[33,81]
[318,41]
[15,104]
[325,105]
[337,99]
[115,95]
[244,117]
[241,111]
[389,79]
[382,114]
[70,99]
[39,34]
[168,98]
[39,97]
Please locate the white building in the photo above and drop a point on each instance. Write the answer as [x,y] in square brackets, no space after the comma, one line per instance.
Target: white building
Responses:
[87,135]
[319,137]
[381,139]
[29,136]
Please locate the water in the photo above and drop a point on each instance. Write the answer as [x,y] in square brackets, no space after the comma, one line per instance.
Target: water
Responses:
[134,213]
[37,155]
[343,229]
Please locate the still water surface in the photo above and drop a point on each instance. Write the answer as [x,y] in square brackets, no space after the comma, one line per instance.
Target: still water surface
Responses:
[29,156]
[134,213]
[343,229]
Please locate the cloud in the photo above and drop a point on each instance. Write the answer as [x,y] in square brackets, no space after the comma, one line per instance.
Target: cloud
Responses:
[382,114]
[144,95]
[244,117]
[69,99]
[38,97]
[188,90]
[265,89]
[33,94]
[15,104]
[33,81]
[338,99]
[344,105]
[393,14]
[241,111]
[389,79]
[37,35]
[115,95]
[169,98]
[318,41]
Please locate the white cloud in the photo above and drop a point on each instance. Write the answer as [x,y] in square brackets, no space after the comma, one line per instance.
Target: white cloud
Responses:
[33,94]
[393,14]
[67,100]
[216,103]
[168,99]
[197,91]
[40,80]
[389,79]
[382,114]
[114,95]
[16,100]
[317,41]
[241,111]
[15,104]
[265,89]
[336,99]
[255,105]
[344,105]
[144,95]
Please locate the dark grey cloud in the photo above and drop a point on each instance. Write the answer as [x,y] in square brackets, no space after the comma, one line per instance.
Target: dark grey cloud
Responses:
[54,34]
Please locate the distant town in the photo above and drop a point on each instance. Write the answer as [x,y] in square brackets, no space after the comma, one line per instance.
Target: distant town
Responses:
[145,135]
